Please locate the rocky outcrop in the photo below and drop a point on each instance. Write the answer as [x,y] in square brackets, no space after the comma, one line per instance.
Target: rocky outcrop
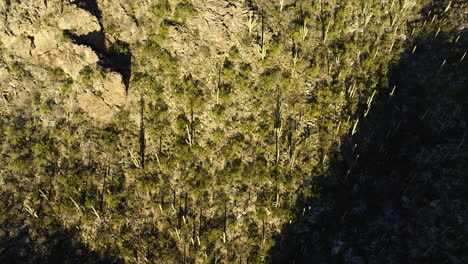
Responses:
[32,34]
[85,24]
[104,99]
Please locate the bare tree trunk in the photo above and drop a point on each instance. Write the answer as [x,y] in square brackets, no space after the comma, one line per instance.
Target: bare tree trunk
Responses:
[186,204]
[225,215]
[220,67]
[142,134]
[103,193]
[160,145]
[51,183]
[263,230]
[200,223]
[263,31]
[192,124]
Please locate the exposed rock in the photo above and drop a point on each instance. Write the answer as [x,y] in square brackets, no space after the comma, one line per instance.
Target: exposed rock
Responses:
[45,40]
[33,34]
[104,98]
[126,30]
[21,46]
[95,107]
[85,24]
[36,35]
[113,90]
[218,26]
[73,58]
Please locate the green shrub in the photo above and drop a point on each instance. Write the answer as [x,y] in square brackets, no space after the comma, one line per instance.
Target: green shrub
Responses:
[184,11]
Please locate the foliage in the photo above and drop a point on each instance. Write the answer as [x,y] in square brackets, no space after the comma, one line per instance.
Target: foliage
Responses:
[342,135]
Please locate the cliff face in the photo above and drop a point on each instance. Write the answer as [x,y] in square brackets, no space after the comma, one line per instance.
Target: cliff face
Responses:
[34,38]
[192,131]
[78,37]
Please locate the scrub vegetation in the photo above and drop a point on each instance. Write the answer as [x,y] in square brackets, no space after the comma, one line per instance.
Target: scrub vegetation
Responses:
[216,131]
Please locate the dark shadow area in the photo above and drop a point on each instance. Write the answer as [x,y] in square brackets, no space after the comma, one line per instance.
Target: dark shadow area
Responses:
[91,6]
[116,57]
[95,40]
[58,246]
[397,190]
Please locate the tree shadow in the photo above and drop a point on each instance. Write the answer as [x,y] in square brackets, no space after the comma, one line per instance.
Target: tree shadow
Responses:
[396,191]
[116,57]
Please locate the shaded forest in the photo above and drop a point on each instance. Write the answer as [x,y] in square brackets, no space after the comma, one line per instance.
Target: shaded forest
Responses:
[401,196]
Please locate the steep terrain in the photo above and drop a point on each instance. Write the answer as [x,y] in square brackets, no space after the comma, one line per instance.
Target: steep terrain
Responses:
[201,131]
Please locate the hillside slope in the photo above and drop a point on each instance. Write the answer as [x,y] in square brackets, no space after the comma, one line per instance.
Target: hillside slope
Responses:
[200,131]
